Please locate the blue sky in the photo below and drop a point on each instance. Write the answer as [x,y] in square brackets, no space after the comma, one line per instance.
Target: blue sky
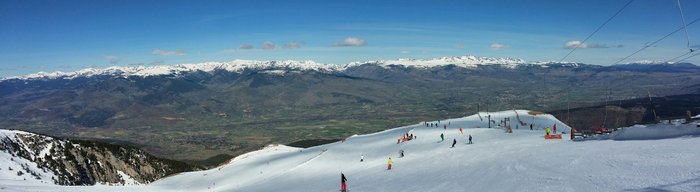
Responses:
[70,35]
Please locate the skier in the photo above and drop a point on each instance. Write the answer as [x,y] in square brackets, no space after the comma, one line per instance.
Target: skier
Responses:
[555,128]
[460,131]
[510,129]
[442,137]
[470,139]
[362,158]
[343,187]
[401,153]
[454,141]
[530,126]
[390,162]
[546,130]
[444,127]
[572,133]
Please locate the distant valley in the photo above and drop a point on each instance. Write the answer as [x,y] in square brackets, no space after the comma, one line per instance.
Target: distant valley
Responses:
[208,114]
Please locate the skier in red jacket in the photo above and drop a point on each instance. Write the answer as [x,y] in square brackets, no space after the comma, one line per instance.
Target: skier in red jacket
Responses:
[343,187]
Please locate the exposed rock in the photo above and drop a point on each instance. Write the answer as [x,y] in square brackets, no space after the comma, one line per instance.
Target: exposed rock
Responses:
[87,162]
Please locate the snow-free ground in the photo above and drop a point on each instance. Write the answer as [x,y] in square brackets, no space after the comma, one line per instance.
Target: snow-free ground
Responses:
[497,161]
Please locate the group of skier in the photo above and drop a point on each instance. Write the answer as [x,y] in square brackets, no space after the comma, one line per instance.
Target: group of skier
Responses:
[403,138]
[454,141]
[435,124]
[406,137]
[431,124]
[410,136]
[547,130]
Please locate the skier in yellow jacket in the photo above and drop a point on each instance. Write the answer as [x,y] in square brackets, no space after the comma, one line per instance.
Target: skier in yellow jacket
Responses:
[390,162]
[546,130]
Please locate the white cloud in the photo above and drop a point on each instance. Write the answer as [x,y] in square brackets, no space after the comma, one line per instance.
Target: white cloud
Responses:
[405,52]
[498,46]
[459,46]
[246,46]
[293,45]
[573,44]
[112,59]
[268,45]
[351,41]
[166,52]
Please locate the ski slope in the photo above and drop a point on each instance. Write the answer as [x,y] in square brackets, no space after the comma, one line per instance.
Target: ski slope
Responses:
[497,161]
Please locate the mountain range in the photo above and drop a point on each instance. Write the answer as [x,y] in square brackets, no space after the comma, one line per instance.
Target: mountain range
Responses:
[205,113]
[241,65]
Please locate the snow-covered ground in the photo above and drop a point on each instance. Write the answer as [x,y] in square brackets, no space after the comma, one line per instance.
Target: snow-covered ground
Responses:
[497,161]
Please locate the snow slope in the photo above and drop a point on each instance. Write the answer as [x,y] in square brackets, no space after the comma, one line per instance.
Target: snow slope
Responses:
[497,161]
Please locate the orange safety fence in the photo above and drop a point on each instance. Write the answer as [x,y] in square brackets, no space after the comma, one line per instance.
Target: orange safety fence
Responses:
[557,136]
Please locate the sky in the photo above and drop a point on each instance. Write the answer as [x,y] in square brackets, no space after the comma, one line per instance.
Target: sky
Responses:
[70,35]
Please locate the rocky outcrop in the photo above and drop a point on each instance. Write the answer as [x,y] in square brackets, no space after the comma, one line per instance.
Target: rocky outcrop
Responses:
[86,162]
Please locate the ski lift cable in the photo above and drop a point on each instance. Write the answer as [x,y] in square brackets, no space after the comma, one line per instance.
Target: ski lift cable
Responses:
[696,54]
[683,55]
[596,30]
[657,41]
[683,27]
[687,38]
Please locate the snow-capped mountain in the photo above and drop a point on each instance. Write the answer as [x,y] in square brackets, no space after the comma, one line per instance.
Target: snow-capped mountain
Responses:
[461,61]
[304,92]
[657,66]
[649,62]
[144,71]
[46,160]
[287,65]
